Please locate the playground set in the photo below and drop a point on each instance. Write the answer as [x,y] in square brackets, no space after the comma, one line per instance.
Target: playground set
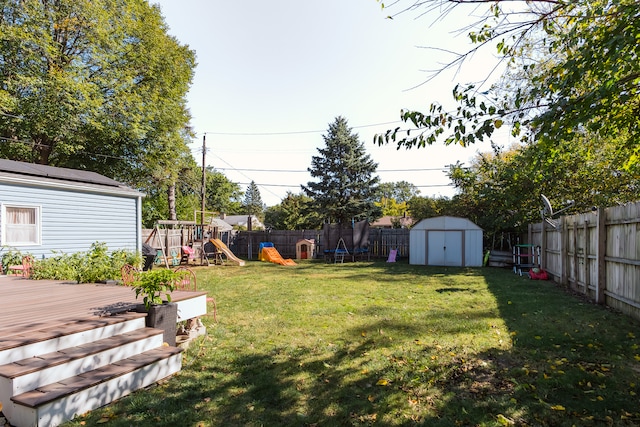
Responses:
[186,242]
[338,239]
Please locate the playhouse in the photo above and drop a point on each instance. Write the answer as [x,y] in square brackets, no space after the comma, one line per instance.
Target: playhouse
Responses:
[305,249]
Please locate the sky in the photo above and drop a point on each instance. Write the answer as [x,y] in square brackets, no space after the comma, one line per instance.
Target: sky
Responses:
[272,76]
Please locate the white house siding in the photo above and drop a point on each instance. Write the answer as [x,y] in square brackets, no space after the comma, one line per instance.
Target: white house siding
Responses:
[73,219]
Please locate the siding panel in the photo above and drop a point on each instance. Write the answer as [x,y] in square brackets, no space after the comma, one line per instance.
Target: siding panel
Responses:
[73,220]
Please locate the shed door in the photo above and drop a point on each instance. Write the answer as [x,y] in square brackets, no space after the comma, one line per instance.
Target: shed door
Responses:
[444,248]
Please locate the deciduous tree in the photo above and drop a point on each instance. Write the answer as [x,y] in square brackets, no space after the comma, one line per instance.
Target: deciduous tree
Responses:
[295,212]
[92,84]
[574,70]
[222,195]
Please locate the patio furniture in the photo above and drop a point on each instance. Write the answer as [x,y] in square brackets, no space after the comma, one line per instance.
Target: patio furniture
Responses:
[186,280]
[128,273]
[23,269]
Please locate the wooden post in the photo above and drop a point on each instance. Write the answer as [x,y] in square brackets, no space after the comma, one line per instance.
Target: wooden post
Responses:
[587,280]
[575,254]
[203,190]
[564,253]
[601,283]
[543,246]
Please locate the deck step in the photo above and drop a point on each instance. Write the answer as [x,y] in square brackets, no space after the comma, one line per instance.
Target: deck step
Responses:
[20,344]
[55,403]
[33,372]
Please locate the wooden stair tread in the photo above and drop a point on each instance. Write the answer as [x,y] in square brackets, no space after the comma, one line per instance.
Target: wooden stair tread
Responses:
[34,364]
[51,392]
[19,336]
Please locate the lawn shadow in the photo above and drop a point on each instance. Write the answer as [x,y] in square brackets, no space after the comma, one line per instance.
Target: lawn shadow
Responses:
[561,362]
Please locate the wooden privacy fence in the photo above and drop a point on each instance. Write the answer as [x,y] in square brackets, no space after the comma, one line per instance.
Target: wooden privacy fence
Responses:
[596,254]
[246,244]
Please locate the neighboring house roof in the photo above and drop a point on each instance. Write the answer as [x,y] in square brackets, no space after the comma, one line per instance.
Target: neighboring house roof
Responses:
[221,224]
[388,222]
[50,176]
[241,221]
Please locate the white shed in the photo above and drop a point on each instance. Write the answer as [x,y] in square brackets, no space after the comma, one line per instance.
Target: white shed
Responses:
[446,240]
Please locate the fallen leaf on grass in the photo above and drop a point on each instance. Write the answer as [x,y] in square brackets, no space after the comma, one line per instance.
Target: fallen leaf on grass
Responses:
[383,382]
[558,408]
[103,420]
[504,420]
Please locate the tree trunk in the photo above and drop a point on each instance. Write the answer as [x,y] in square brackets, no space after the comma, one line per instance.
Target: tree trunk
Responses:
[171,198]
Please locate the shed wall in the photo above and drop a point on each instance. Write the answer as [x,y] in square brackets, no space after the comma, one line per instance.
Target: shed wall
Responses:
[473,244]
[461,237]
[418,247]
[73,220]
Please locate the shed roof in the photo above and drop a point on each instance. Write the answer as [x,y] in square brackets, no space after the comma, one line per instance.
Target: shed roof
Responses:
[446,223]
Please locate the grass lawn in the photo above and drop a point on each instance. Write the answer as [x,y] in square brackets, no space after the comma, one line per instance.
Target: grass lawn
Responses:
[394,345]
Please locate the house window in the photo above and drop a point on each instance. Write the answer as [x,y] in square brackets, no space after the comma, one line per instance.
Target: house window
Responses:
[21,225]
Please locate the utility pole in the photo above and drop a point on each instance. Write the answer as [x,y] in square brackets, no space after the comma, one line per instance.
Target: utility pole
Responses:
[204,176]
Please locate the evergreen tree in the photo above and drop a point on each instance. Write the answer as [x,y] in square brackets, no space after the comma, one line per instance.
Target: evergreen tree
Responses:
[253,201]
[346,187]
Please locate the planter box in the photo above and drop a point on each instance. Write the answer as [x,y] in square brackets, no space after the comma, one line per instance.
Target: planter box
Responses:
[163,317]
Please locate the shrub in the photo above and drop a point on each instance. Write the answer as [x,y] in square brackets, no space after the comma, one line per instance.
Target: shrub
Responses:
[11,257]
[96,265]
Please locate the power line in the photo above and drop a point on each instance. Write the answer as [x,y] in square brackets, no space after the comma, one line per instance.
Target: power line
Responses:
[292,132]
[306,171]
[298,185]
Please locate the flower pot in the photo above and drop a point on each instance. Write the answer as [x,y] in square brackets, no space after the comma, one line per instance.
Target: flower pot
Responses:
[165,317]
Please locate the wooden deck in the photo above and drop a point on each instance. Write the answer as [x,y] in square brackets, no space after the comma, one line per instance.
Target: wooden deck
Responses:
[31,305]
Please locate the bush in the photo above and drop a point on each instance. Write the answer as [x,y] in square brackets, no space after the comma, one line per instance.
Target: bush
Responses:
[96,265]
[11,257]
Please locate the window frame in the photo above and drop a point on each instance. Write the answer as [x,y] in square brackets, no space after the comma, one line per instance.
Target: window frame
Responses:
[38,224]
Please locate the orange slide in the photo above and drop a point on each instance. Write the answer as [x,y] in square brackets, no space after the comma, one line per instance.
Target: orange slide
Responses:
[272,255]
[227,252]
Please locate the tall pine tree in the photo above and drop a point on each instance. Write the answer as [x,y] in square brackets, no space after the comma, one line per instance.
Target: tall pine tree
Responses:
[345,186]
[253,201]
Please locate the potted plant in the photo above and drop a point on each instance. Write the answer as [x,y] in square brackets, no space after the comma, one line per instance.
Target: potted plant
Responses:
[155,286]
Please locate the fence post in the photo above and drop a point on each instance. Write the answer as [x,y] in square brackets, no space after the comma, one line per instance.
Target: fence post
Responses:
[585,254]
[543,246]
[601,282]
[564,231]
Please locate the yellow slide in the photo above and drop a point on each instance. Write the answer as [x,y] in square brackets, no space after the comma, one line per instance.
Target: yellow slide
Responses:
[227,252]
[272,255]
